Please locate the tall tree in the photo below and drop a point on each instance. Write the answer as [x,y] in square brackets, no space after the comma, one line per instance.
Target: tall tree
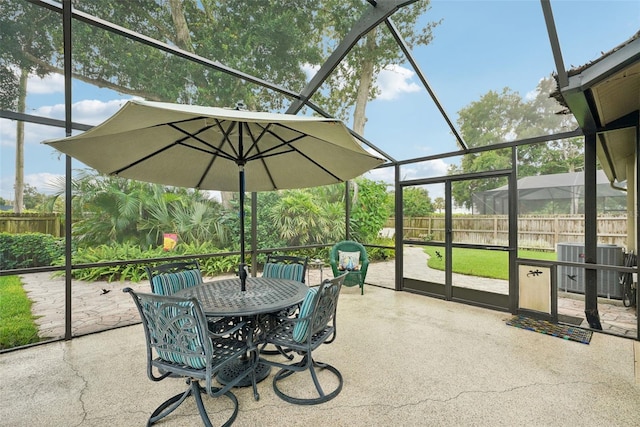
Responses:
[416,202]
[353,83]
[25,33]
[505,116]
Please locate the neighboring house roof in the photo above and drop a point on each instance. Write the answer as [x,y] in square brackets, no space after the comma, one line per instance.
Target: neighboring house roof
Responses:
[604,95]
[556,186]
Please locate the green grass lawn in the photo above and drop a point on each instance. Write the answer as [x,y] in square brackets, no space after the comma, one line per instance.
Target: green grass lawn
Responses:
[16,326]
[482,263]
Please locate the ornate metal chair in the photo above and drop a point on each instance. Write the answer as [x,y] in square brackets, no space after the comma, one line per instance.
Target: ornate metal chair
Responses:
[286,267]
[283,267]
[350,257]
[180,345]
[314,325]
[166,279]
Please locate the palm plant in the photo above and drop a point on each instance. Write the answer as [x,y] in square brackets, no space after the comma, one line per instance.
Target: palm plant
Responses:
[111,210]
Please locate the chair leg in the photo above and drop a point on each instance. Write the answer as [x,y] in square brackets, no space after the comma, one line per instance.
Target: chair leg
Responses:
[203,412]
[168,407]
[310,365]
[195,390]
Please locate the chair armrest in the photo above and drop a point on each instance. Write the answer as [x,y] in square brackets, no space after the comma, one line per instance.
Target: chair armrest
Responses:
[232,329]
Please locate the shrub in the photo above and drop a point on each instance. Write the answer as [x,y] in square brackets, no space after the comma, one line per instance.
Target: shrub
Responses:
[136,273]
[29,250]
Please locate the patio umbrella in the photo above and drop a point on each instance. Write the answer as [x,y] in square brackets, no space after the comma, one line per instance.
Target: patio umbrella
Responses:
[211,148]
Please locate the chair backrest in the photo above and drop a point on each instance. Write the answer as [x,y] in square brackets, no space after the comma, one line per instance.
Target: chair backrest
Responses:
[286,267]
[175,329]
[320,307]
[348,255]
[166,279]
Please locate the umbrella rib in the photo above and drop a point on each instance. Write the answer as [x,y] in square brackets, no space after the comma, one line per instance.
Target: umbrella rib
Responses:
[225,138]
[148,156]
[265,153]
[290,148]
[217,150]
[261,157]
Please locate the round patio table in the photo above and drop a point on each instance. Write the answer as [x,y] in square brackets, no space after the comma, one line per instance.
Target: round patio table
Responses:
[224,298]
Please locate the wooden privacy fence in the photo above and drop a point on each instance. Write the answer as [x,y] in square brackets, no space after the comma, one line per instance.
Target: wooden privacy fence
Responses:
[32,223]
[534,231]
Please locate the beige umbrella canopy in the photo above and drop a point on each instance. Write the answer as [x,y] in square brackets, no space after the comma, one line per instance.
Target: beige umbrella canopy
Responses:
[221,149]
[202,147]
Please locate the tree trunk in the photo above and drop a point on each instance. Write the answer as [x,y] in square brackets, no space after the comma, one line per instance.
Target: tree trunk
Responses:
[18,188]
[364,88]
[226,198]
[183,38]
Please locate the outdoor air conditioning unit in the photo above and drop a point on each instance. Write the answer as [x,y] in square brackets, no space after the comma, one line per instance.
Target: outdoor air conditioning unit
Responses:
[571,279]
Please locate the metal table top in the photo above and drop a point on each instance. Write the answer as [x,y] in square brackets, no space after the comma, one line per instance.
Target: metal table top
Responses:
[223,298]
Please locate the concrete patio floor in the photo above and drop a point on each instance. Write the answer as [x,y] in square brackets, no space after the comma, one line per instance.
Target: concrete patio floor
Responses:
[407,360]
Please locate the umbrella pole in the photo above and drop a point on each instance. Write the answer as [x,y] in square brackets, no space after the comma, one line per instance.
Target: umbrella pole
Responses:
[242,272]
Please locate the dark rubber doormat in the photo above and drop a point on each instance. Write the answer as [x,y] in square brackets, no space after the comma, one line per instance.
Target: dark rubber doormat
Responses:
[566,332]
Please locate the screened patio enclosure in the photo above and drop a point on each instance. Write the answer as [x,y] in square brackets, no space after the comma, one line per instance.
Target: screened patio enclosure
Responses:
[259,59]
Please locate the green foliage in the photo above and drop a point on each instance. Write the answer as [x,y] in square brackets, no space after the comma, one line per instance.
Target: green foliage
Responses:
[136,273]
[292,217]
[302,218]
[112,210]
[105,253]
[219,265]
[32,199]
[272,40]
[416,202]
[17,327]
[370,209]
[381,254]
[505,116]
[29,250]
[8,90]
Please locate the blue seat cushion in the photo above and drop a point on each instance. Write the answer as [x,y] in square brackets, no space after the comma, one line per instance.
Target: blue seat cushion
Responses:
[284,271]
[170,283]
[301,329]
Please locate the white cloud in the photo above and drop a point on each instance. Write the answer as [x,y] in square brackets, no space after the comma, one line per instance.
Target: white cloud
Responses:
[51,83]
[39,157]
[88,111]
[394,81]
[383,174]
[44,182]
[429,169]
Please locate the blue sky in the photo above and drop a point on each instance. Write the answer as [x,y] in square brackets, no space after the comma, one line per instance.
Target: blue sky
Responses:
[480,46]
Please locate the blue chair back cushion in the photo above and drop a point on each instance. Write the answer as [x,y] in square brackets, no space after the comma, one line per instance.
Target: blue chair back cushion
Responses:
[177,337]
[283,271]
[170,283]
[301,329]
